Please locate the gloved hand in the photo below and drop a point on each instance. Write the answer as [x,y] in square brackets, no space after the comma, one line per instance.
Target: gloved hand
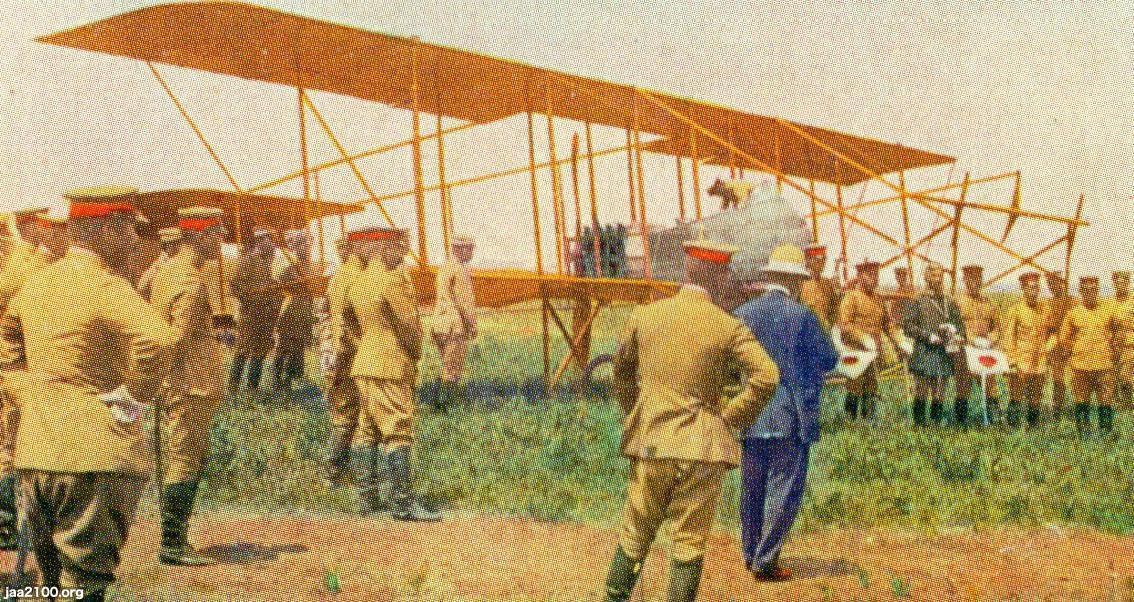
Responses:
[123,407]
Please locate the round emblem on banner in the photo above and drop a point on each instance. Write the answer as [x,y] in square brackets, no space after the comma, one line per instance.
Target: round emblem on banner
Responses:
[987,361]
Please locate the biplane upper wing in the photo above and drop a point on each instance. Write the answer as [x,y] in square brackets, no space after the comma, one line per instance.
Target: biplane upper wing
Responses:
[262,44]
[254,210]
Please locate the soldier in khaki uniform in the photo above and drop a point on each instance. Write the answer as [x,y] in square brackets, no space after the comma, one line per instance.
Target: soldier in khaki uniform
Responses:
[863,318]
[36,248]
[819,293]
[93,356]
[680,437]
[1088,333]
[385,366]
[260,301]
[170,241]
[904,295]
[342,395]
[454,318]
[1124,345]
[1057,307]
[982,325]
[196,383]
[1023,340]
[297,312]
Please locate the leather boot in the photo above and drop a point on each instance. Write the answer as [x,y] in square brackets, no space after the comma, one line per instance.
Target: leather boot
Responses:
[919,412]
[622,578]
[1033,415]
[1012,414]
[338,454]
[255,370]
[1083,417]
[236,372]
[936,412]
[961,411]
[406,506]
[177,506]
[374,484]
[850,406]
[684,578]
[1106,419]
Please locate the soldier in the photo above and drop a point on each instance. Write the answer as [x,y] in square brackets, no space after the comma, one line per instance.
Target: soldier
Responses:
[936,325]
[1057,307]
[982,327]
[454,320]
[38,245]
[385,367]
[1088,333]
[863,322]
[196,382]
[1124,345]
[297,312]
[94,356]
[342,395]
[819,293]
[260,304]
[680,438]
[1024,344]
[904,295]
[170,241]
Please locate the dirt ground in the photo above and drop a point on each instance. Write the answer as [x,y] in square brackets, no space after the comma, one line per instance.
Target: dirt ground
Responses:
[481,558]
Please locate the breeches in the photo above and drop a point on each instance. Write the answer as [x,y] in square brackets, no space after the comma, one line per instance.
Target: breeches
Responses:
[389,409]
[453,350]
[1026,388]
[865,384]
[79,523]
[1099,382]
[684,492]
[186,435]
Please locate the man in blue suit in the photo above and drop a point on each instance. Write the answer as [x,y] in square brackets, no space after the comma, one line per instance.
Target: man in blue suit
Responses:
[776,448]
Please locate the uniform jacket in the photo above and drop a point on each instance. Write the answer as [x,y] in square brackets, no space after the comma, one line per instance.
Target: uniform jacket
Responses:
[297,310]
[344,328]
[926,314]
[181,298]
[796,341]
[1089,336]
[1124,313]
[980,317]
[252,285]
[146,280]
[672,361]
[1024,337]
[23,260]
[822,297]
[81,330]
[862,316]
[386,306]
[455,312]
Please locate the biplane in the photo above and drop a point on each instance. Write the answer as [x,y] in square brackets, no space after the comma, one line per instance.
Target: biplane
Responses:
[819,168]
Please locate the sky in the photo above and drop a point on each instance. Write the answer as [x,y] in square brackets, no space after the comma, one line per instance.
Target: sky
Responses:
[1045,88]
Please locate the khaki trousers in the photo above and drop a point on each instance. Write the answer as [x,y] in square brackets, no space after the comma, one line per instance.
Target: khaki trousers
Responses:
[390,409]
[684,492]
[186,435]
[78,523]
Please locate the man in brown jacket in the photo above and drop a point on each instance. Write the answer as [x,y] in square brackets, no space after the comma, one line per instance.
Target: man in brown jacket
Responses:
[196,383]
[296,318]
[454,319]
[863,321]
[385,367]
[982,328]
[90,359]
[260,301]
[681,439]
[1057,307]
[819,293]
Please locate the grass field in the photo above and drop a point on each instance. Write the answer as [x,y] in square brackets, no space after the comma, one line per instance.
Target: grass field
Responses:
[556,459]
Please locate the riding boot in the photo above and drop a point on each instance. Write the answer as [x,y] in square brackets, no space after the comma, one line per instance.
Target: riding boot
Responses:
[850,406]
[919,412]
[1034,414]
[177,506]
[374,484]
[278,363]
[338,454]
[1012,413]
[936,411]
[961,411]
[1106,419]
[1083,417]
[406,506]
[684,577]
[623,576]
[236,372]
[255,370]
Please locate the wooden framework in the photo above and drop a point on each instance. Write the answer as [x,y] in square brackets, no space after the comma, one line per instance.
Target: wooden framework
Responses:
[265,45]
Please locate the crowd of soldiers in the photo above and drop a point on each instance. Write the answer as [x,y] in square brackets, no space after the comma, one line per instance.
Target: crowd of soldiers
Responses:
[1086,342]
